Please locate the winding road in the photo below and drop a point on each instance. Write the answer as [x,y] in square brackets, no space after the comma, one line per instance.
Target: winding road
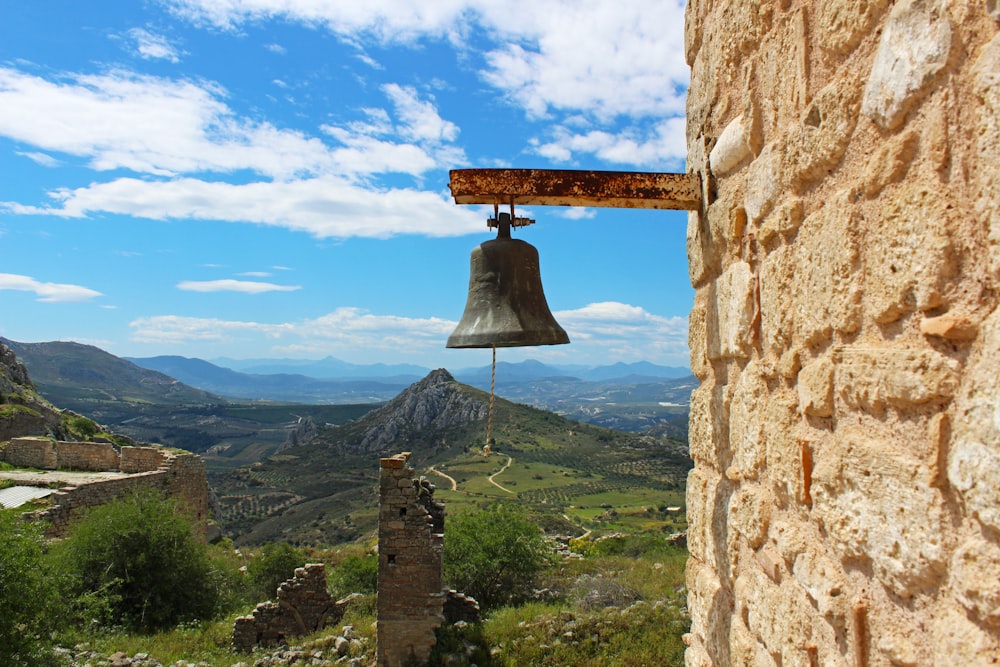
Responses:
[451,480]
[510,459]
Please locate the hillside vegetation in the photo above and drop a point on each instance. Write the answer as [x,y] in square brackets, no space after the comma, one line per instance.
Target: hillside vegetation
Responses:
[572,476]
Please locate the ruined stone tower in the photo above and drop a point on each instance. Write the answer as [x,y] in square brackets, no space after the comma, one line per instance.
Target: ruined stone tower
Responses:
[845,500]
[411,546]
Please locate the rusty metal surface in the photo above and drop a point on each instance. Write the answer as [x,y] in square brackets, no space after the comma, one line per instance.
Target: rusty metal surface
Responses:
[566,187]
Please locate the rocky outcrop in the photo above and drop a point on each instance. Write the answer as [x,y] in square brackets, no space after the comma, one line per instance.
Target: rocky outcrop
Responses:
[22,411]
[436,402]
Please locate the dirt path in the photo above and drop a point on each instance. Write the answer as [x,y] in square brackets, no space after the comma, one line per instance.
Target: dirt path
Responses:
[451,480]
[492,481]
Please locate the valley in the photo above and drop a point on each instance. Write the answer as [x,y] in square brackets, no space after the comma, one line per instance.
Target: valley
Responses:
[306,473]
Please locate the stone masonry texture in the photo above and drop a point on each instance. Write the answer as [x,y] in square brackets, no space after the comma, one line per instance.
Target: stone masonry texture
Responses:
[844,506]
[411,601]
[178,474]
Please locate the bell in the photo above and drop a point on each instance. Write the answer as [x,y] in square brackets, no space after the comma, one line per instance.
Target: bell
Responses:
[506,306]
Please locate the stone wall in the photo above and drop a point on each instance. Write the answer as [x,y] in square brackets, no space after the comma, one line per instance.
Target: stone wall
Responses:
[178,474]
[410,551]
[844,507]
[48,454]
[303,606]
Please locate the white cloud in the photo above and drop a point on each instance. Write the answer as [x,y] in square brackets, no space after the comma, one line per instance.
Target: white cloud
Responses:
[613,325]
[153,47]
[47,292]
[323,207]
[172,329]
[603,57]
[600,333]
[163,127]
[43,159]
[276,48]
[420,119]
[256,274]
[149,125]
[229,285]
[342,329]
[661,144]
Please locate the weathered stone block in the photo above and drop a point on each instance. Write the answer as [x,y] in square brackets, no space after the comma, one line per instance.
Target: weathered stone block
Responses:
[817,145]
[731,148]
[777,273]
[974,457]
[841,25]
[735,308]
[912,258]
[746,422]
[784,219]
[957,640]
[889,162]
[783,458]
[872,378]
[750,513]
[710,603]
[699,337]
[987,85]
[767,177]
[827,287]
[864,493]
[975,576]
[914,47]
[816,388]
[708,428]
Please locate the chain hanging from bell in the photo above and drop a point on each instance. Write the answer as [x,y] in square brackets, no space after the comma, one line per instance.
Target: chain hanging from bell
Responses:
[506,306]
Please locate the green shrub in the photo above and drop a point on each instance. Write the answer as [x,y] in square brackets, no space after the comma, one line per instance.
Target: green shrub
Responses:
[495,554]
[355,574]
[28,594]
[274,564]
[136,563]
[80,427]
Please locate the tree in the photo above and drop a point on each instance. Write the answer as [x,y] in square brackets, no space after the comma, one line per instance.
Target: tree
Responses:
[136,562]
[494,554]
[28,594]
[273,565]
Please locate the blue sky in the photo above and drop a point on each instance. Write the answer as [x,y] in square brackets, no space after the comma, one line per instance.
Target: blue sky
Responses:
[268,178]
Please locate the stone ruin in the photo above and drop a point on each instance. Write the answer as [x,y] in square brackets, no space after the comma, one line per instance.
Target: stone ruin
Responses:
[412,603]
[844,507]
[178,474]
[302,606]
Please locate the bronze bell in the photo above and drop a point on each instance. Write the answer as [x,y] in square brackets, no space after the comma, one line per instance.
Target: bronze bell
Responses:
[506,305]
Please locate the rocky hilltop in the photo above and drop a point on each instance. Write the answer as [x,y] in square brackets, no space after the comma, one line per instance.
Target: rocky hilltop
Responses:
[435,403]
[22,411]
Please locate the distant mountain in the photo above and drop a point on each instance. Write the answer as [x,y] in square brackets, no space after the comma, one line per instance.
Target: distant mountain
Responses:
[509,372]
[80,376]
[638,369]
[327,368]
[275,386]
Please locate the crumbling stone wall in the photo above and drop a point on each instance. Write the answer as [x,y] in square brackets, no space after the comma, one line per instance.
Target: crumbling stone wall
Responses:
[178,474]
[410,556]
[844,506]
[303,606]
[48,454]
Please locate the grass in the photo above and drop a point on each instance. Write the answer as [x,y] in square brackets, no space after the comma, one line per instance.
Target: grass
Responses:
[621,605]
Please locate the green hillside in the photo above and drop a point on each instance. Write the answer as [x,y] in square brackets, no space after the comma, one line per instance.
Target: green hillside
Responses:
[571,476]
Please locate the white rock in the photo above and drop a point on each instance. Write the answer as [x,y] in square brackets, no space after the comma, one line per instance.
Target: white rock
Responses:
[913,49]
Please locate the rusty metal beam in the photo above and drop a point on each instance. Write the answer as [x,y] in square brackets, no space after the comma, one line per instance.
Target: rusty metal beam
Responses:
[566,187]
